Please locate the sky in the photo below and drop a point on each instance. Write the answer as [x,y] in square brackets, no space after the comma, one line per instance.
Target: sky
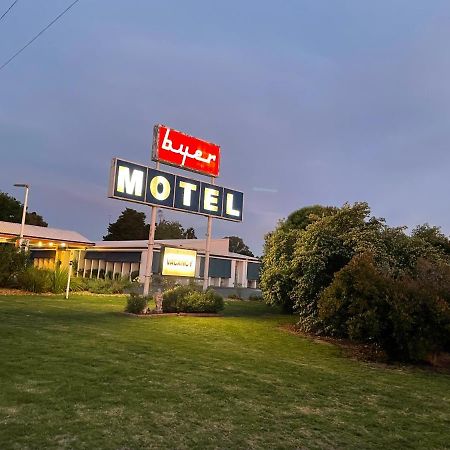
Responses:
[312,102]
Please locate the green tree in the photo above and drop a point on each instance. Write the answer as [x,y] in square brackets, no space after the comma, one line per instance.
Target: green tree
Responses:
[237,245]
[301,218]
[277,281]
[299,263]
[168,229]
[433,236]
[128,227]
[11,211]
[131,226]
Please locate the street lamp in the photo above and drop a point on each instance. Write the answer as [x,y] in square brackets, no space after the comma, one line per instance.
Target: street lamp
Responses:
[24,212]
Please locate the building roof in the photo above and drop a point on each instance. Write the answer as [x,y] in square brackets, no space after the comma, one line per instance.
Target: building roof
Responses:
[219,247]
[44,233]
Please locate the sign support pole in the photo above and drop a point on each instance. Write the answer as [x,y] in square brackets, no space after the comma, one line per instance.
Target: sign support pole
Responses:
[150,247]
[207,250]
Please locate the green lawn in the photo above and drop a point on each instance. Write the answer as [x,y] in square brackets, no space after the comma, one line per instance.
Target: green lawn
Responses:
[76,374]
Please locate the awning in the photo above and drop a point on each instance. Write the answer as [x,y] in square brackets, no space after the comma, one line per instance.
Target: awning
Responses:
[131,257]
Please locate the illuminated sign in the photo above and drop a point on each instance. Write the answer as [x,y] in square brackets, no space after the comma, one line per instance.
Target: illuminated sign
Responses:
[187,152]
[178,262]
[142,184]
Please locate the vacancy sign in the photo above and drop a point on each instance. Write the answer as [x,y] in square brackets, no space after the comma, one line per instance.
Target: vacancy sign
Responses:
[186,152]
[178,262]
[142,184]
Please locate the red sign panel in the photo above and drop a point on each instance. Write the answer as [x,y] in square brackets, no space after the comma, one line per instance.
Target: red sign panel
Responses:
[187,152]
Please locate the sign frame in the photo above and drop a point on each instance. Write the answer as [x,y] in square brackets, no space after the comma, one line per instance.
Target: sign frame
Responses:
[186,251]
[112,184]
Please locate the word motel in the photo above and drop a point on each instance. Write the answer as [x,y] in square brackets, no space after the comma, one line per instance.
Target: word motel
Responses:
[142,184]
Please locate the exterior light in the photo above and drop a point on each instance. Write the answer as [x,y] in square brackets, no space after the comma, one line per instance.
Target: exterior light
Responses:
[51,244]
[63,244]
[40,244]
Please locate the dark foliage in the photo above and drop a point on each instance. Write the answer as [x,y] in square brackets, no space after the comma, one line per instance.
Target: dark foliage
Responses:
[303,217]
[191,299]
[168,229]
[237,245]
[408,316]
[128,227]
[11,211]
[12,263]
[136,304]
[131,226]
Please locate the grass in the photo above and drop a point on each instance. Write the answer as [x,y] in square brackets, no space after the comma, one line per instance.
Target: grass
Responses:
[76,374]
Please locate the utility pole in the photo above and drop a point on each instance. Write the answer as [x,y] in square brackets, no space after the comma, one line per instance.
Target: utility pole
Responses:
[24,212]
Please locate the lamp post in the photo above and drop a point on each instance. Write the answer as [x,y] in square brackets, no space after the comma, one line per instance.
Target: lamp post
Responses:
[24,212]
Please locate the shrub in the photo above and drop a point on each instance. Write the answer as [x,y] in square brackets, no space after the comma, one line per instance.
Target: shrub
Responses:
[172,297]
[136,304]
[191,299]
[408,316]
[255,298]
[35,280]
[58,280]
[107,286]
[12,262]
[78,284]
[100,286]
[235,297]
[201,302]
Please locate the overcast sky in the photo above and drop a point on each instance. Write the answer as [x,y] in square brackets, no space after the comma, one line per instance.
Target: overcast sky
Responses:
[311,101]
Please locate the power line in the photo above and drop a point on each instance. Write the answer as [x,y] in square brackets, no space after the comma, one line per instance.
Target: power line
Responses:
[7,11]
[37,35]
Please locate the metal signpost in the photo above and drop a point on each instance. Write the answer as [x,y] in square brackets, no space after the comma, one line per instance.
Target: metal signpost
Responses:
[142,184]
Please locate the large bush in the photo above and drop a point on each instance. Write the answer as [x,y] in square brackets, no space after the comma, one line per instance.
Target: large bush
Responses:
[201,302]
[191,299]
[172,297]
[277,280]
[299,263]
[407,316]
[12,263]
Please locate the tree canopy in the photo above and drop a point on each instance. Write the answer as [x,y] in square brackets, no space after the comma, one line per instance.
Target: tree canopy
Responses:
[128,227]
[131,226]
[237,245]
[304,254]
[168,229]
[11,211]
[302,217]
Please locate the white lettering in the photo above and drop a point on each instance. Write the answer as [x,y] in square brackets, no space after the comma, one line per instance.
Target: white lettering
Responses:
[197,155]
[187,192]
[131,185]
[210,199]
[229,206]
[154,185]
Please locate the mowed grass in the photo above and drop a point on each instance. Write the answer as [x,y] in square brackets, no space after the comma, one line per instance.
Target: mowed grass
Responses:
[78,374]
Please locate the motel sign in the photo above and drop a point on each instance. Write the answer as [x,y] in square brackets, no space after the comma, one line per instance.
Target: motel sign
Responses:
[142,184]
[151,186]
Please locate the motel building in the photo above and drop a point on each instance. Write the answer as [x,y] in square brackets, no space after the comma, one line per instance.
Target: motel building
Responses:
[50,247]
